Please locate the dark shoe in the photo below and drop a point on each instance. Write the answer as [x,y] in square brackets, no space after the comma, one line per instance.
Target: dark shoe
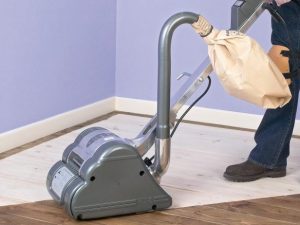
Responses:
[248,171]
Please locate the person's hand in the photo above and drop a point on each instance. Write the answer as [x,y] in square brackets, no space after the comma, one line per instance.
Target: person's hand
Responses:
[278,2]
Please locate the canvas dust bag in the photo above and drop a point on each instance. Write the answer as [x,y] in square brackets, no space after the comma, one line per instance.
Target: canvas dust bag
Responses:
[243,68]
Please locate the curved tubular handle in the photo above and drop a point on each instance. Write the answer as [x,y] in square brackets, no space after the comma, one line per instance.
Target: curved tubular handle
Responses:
[162,140]
[164,70]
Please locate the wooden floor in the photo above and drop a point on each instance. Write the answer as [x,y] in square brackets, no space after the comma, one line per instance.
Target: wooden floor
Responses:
[199,156]
[270,211]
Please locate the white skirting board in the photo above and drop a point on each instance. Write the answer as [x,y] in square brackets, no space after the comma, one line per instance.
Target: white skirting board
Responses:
[198,114]
[34,131]
[31,132]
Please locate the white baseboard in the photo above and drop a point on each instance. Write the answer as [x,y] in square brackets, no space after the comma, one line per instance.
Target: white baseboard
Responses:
[198,114]
[31,132]
[26,134]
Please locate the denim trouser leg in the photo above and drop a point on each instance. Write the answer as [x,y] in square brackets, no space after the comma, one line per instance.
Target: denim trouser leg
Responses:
[274,133]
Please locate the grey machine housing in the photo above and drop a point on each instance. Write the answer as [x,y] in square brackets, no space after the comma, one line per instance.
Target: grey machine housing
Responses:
[102,174]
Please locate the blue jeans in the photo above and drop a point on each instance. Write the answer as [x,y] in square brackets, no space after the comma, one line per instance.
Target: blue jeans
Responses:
[275,131]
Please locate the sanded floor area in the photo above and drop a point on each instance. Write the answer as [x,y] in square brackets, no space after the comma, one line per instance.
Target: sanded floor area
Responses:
[199,156]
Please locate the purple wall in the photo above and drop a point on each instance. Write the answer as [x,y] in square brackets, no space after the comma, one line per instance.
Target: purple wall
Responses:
[138,27]
[55,56]
[60,55]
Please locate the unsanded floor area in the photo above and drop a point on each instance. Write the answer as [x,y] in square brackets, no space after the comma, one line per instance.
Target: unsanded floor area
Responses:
[269,211]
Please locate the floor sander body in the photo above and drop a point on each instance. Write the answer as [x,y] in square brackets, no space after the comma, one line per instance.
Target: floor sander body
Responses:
[101,174]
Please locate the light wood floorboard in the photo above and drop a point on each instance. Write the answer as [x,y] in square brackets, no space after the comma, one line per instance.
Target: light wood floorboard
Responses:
[199,156]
